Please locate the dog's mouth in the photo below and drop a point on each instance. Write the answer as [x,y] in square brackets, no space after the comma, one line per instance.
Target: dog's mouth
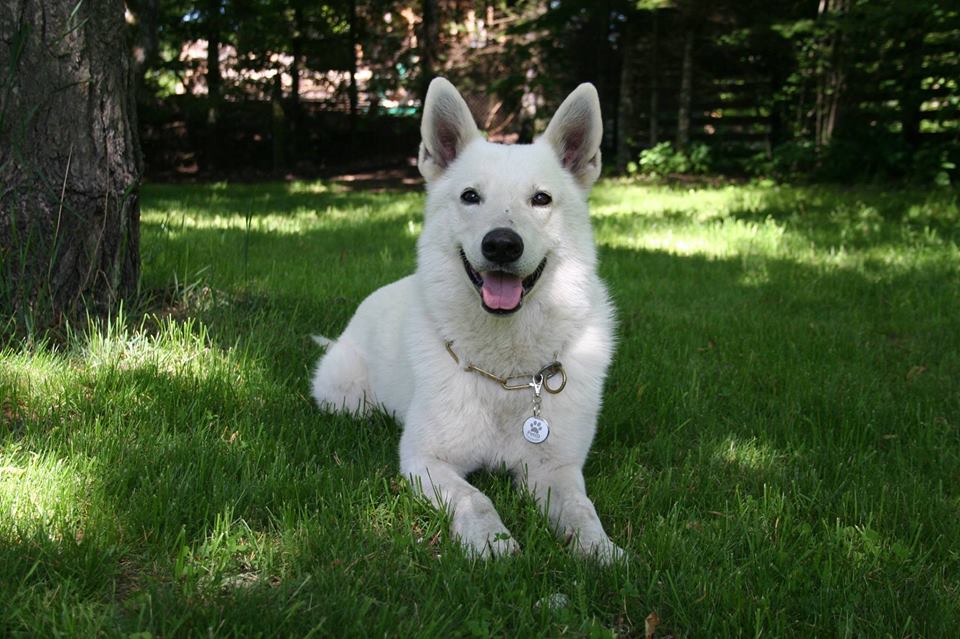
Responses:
[501,292]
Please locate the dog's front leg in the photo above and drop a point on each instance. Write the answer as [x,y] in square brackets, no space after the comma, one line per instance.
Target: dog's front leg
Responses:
[561,494]
[474,521]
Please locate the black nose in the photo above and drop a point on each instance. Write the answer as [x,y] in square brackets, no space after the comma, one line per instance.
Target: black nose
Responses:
[502,246]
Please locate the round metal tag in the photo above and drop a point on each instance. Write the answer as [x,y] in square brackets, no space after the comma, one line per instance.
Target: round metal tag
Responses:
[535,430]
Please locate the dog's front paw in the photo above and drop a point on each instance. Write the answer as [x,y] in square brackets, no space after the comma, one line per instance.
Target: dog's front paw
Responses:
[502,544]
[487,545]
[606,552]
[601,550]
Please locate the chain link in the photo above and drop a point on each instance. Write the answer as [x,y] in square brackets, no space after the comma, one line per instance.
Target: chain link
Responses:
[519,382]
[537,383]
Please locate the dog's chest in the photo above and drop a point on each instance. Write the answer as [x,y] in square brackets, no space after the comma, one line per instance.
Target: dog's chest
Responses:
[490,429]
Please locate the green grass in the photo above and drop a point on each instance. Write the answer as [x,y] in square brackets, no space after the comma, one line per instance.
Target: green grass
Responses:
[779,448]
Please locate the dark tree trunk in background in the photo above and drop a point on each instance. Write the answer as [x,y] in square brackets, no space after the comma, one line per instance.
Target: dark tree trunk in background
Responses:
[429,43]
[279,120]
[214,79]
[146,41]
[830,77]
[626,118]
[911,91]
[69,160]
[353,91]
[296,112]
[214,83]
[655,80]
[602,40]
[686,91]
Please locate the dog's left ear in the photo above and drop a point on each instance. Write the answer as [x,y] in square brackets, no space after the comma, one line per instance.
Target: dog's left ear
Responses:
[575,133]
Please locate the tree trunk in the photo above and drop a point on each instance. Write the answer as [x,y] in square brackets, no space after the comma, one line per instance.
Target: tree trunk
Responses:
[146,42]
[655,81]
[831,77]
[429,44]
[279,122]
[296,114]
[602,17]
[686,91]
[69,160]
[352,88]
[214,83]
[911,89]
[625,108]
[214,79]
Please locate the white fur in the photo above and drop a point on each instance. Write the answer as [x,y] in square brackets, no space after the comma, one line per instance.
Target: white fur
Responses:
[392,354]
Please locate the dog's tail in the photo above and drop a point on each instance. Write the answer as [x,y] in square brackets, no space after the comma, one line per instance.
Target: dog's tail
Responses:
[325,342]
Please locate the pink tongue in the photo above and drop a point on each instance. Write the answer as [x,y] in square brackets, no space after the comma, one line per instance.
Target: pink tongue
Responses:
[501,290]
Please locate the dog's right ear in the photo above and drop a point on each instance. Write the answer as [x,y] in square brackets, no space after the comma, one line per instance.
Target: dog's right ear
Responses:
[447,127]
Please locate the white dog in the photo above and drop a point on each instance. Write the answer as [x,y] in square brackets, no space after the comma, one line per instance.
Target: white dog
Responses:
[493,354]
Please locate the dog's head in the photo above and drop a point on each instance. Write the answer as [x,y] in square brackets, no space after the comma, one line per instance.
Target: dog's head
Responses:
[507,215]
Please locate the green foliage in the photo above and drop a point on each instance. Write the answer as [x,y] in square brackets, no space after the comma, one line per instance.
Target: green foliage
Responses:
[664,159]
[777,449]
[936,165]
[844,160]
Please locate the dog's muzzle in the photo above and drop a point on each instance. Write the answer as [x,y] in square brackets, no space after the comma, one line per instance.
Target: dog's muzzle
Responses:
[501,292]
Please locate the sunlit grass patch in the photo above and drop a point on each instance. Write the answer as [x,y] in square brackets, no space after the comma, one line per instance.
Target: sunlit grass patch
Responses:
[817,226]
[710,239]
[42,493]
[33,372]
[749,455]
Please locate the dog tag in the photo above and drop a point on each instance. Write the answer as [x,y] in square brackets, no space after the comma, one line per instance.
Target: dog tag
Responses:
[536,430]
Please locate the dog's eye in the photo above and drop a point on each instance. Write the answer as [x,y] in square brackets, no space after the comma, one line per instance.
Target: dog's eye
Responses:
[541,199]
[470,196]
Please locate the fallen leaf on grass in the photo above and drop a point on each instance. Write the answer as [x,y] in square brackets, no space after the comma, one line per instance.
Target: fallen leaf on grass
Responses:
[13,413]
[242,580]
[915,372]
[555,601]
[650,625]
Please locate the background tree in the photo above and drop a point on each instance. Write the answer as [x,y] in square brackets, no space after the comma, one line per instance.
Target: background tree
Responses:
[69,159]
[144,20]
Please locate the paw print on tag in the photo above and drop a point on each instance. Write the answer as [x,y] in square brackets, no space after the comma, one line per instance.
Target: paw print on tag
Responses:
[535,430]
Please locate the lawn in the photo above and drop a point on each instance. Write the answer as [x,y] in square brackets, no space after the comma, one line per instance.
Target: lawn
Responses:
[779,448]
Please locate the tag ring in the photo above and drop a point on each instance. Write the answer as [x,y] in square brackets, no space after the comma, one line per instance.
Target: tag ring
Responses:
[552,370]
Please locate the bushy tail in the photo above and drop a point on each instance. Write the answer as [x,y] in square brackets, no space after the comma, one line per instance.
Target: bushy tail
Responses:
[326,342]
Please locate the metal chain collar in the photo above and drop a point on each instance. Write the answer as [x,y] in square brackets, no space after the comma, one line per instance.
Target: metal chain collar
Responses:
[523,381]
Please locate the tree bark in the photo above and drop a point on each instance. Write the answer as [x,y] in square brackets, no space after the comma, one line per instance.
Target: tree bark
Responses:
[296,112]
[429,43]
[911,89]
[625,108]
[214,84]
[146,41]
[279,122]
[831,77]
[655,81]
[214,78]
[686,91]
[354,94]
[69,160]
